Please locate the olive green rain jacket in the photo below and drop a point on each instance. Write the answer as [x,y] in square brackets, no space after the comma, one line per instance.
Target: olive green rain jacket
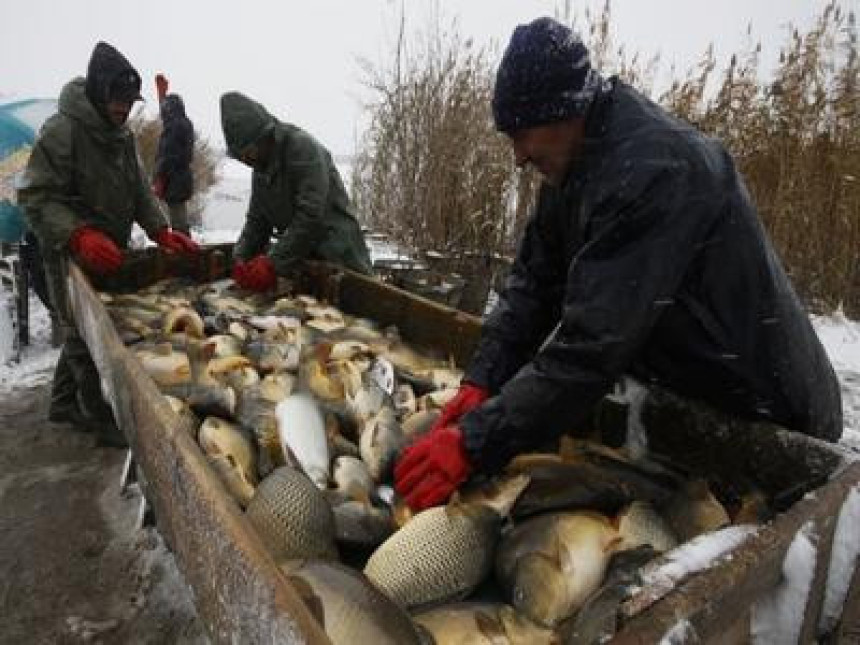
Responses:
[85,170]
[299,197]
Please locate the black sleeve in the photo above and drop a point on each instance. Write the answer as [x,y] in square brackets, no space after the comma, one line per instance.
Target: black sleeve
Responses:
[175,147]
[645,227]
[528,306]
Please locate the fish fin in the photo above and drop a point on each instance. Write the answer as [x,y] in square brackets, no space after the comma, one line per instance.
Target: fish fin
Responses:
[614,543]
[490,628]
[567,448]
[309,598]
[323,351]
[362,497]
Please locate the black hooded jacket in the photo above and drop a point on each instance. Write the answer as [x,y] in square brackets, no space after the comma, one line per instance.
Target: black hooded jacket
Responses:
[175,151]
[110,76]
[651,261]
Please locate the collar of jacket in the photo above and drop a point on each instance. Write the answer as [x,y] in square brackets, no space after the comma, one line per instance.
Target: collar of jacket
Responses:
[595,131]
[75,105]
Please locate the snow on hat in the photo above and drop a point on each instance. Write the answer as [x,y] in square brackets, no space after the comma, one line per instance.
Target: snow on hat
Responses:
[545,76]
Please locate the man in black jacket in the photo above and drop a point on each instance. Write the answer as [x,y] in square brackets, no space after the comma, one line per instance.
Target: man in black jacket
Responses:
[645,256]
[174,180]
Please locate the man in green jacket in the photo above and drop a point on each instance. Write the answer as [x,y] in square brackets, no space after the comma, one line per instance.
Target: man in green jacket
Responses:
[82,191]
[297,197]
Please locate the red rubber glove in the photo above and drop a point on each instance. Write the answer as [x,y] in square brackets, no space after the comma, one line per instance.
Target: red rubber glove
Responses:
[257,274]
[176,242]
[468,397]
[240,269]
[95,250]
[159,186]
[432,468]
[161,86]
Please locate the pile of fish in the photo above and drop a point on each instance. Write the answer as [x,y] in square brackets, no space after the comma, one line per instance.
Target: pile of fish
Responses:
[301,410]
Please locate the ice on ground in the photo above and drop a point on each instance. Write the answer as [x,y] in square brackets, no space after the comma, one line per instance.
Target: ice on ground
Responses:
[843,561]
[777,618]
[37,360]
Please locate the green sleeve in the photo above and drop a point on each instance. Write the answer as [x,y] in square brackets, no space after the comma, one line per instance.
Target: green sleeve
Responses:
[257,230]
[308,171]
[46,189]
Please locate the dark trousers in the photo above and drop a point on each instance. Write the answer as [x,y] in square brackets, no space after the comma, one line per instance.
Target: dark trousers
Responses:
[31,257]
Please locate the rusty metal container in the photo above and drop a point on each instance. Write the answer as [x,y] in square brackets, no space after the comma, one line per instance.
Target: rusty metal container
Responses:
[241,595]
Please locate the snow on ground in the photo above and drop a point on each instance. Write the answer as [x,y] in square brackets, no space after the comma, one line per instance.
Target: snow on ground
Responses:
[843,560]
[777,618]
[37,360]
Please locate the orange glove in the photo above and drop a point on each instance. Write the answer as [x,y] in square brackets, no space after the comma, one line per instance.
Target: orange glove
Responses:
[257,274]
[159,186]
[176,242]
[95,250]
[431,469]
[161,86]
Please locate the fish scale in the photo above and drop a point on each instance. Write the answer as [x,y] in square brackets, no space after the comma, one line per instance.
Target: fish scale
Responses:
[292,516]
[442,554]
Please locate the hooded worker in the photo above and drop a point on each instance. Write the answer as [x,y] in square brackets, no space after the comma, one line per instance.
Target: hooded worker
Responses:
[173,179]
[644,256]
[297,198]
[82,192]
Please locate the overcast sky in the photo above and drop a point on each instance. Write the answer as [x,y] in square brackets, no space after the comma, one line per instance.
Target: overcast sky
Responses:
[300,58]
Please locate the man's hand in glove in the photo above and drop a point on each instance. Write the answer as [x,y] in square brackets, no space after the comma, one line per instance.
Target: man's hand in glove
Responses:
[257,274]
[176,242]
[431,469]
[96,251]
[468,397]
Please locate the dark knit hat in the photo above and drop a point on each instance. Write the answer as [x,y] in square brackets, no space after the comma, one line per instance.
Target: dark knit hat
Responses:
[111,77]
[545,76]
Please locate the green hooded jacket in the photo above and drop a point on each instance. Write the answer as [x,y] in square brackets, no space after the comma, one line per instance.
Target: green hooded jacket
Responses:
[83,170]
[299,197]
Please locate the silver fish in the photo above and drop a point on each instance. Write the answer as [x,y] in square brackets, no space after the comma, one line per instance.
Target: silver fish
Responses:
[348,607]
[380,442]
[472,623]
[551,563]
[301,428]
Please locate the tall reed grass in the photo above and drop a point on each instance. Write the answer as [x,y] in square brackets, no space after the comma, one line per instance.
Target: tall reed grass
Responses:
[205,165]
[432,172]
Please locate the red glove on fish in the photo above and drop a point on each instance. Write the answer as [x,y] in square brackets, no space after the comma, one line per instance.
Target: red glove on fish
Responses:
[431,469]
[257,274]
[159,186]
[176,242]
[468,397]
[95,250]
[161,86]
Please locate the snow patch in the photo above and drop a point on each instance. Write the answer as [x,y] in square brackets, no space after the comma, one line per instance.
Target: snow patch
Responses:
[37,360]
[777,618]
[700,553]
[681,632]
[843,561]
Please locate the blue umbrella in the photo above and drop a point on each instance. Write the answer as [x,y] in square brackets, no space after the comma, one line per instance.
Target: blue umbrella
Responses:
[18,124]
